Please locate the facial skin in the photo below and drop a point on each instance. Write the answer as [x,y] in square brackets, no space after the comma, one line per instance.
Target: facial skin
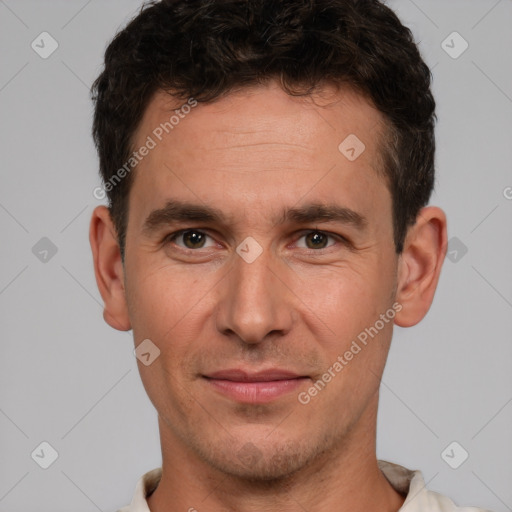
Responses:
[298,306]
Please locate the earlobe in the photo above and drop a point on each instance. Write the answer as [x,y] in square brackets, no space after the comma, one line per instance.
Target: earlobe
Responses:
[108,269]
[420,265]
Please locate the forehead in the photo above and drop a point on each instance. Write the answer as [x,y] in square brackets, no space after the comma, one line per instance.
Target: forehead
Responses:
[261,145]
[267,111]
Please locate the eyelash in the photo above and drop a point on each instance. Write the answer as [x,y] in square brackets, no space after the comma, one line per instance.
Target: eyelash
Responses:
[170,238]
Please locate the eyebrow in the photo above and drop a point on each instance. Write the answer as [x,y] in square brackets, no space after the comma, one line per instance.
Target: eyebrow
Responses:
[183,211]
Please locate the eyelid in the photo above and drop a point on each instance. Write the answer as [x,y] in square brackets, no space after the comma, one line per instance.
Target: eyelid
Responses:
[335,236]
[171,237]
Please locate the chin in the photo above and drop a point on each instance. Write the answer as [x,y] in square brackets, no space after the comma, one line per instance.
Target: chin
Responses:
[260,461]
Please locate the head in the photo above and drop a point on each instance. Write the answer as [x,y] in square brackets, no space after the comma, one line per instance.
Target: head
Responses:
[275,219]
[206,50]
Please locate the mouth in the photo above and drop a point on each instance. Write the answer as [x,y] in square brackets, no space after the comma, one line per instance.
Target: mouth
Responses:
[254,387]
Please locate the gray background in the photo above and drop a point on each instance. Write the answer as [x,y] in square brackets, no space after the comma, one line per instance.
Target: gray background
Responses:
[68,379]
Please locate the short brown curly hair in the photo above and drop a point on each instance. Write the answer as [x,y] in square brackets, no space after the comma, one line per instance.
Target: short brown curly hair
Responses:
[206,48]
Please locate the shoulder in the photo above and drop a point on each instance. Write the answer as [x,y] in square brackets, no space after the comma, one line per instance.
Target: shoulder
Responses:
[418,497]
[145,486]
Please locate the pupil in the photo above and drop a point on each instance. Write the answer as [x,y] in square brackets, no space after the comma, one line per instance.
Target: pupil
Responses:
[318,239]
[194,238]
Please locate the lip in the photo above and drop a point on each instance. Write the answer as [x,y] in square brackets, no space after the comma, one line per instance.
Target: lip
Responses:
[254,387]
[239,375]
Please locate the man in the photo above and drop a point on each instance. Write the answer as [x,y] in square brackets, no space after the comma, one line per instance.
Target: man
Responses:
[268,166]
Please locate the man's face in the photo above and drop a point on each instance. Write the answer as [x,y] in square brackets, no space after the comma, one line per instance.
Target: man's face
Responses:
[211,302]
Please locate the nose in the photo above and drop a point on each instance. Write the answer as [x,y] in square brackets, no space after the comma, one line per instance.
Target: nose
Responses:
[255,302]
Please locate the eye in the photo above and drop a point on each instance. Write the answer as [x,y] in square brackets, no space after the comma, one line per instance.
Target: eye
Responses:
[316,240]
[193,239]
[189,238]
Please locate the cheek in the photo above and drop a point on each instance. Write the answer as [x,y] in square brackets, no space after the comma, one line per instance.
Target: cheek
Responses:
[162,312]
[156,302]
[346,299]
[172,308]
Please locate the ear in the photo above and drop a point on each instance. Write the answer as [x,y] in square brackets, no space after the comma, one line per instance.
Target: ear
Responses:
[108,269]
[419,265]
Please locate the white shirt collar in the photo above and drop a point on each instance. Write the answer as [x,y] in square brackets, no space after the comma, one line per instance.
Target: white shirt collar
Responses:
[406,481]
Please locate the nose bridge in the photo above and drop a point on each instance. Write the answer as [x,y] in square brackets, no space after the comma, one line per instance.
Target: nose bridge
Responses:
[254,302]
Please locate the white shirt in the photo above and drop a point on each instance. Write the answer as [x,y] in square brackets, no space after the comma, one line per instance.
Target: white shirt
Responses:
[403,480]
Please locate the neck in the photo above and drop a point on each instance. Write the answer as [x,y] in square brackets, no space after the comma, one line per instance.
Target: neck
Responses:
[346,478]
